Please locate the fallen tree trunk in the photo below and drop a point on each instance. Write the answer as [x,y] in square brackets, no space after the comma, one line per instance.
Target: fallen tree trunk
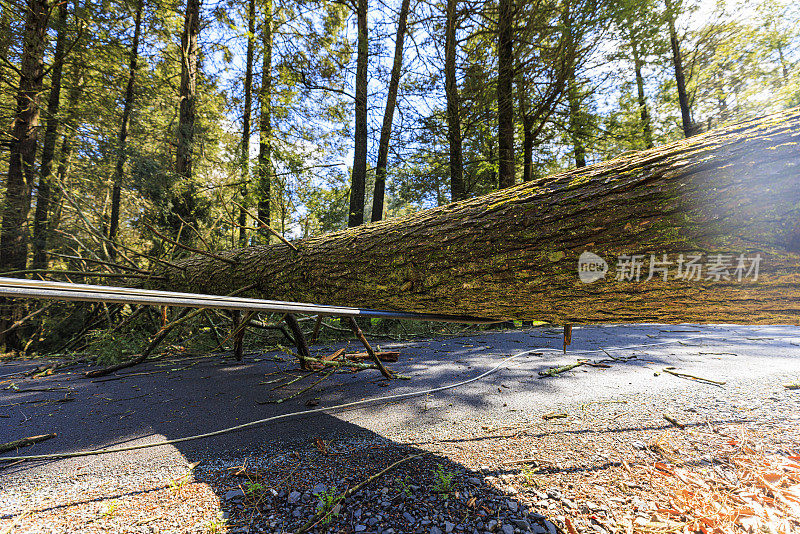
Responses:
[513,254]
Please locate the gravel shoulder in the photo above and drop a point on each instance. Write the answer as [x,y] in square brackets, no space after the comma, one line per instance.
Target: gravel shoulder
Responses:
[509,468]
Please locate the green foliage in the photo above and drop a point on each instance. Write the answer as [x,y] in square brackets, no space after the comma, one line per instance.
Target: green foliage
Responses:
[110,348]
[218,525]
[740,61]
[403,485]
[327,503]
[254,488]
[443,483]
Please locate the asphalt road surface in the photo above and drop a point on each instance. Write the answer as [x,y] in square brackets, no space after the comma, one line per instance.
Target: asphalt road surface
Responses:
[168,399]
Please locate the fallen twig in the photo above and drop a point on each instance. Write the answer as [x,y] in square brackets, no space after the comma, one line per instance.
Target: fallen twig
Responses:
[525,461]
[561,369]
[342,363]
[674,421]
[384,356]
[298,393]
[687,376]
[24,442]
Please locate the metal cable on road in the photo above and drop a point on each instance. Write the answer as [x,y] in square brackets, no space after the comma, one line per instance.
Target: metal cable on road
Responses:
[23,288]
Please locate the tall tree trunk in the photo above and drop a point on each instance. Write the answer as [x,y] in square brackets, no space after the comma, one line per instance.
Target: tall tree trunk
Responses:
[527,127]
[513,254]
[22,157]
[576,121]
[359,178]
[246,116]
[184,204]
[122,138]
[680,79]
[188,90]
[43,192]
[5,33]
[644,114]
[388,115]
[505,98]
[65,157]
[265,126]
[457,189]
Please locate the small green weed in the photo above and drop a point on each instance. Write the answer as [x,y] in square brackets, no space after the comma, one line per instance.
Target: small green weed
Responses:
[529,476]
[327,503]
[254,488]
[110,509]
[217,525]
[443,484]
[403,485]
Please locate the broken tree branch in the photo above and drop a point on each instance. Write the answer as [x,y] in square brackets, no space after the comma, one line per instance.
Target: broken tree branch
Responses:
[360,335]
[185,315]
[300,340]
[561,369]
[191,249]
[24,442]
[264,226]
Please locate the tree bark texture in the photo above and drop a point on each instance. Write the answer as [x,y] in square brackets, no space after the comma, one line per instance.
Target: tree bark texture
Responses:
[265,125]
[644,113]
[359,178]
[680,79]
[576,119]
[513,254]
[43,190]
[457,189]
[122,139]
[246,118]
[22,156]
[388,115]
[188,89]
[505,98]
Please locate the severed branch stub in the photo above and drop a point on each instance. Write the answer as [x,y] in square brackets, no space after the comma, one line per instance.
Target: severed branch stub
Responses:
[567,336]
[300,340]
[360,335]
[238,335]
[315,333]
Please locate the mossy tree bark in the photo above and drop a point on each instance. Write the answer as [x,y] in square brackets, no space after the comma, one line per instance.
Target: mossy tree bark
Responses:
[513,253]
[43,193]
[22,156]
[264,170]
[122,138]
[456,165]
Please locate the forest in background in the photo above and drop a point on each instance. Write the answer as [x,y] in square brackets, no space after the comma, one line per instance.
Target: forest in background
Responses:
[132,126]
